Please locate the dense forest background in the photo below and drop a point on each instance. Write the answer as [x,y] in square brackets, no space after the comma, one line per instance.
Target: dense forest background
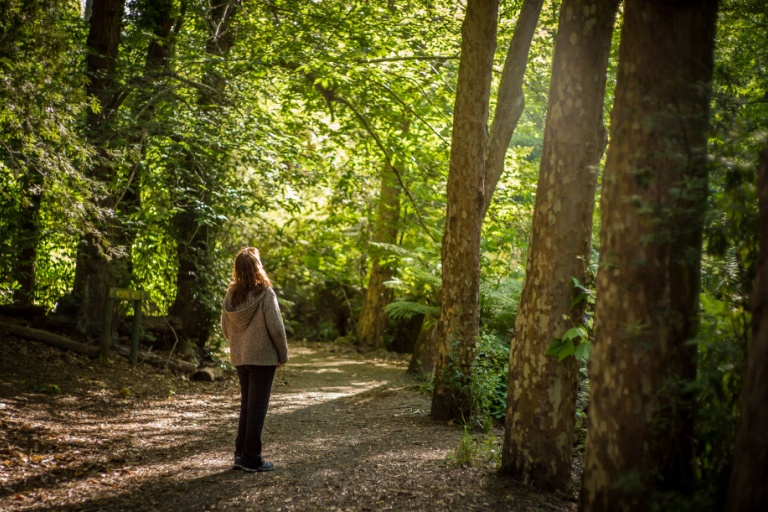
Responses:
[144,142]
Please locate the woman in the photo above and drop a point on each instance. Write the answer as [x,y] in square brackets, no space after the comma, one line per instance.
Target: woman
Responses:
[251,321]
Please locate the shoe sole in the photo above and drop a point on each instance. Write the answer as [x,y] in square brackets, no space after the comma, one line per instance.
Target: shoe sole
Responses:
[257,470]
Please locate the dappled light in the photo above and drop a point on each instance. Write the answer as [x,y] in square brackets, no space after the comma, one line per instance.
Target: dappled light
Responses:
[356,437]
[438,255]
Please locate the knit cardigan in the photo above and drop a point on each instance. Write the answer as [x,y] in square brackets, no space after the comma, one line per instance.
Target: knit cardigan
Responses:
[255,330]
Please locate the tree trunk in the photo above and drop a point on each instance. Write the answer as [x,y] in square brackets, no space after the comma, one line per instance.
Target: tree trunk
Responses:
[373,319]
[511,99]
[423,360]
[197,178]
[92,277]
[458,326]
[541,392]
[27,238]
[639,443]
[749,480]
[193,254]
[157,17]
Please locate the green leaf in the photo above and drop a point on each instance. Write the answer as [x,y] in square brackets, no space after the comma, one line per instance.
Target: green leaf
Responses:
[575,332]
[580,297]
[583,350]
[560,348]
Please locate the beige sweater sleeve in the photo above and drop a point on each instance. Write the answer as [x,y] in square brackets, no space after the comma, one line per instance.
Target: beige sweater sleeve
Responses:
[275,327]
[224,324]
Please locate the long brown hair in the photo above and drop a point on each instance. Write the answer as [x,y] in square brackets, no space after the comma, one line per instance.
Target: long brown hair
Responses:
[247,275]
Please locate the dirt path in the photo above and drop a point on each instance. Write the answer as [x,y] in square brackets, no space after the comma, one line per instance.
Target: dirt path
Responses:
[345,433]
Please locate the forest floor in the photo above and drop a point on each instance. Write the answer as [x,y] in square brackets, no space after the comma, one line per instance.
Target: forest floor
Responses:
[346,432]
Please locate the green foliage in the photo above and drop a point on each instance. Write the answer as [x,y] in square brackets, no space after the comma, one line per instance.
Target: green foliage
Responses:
[576,341]
[722,344]
[485,383]
[465,451]
[476,449]
[406,309]
[48,389]
[489,379]
[43,192]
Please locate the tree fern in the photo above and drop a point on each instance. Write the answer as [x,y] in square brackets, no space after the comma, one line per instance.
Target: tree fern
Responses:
[405,309]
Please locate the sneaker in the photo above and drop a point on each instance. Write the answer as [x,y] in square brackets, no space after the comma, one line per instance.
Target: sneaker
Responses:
[265,466]
[238,464]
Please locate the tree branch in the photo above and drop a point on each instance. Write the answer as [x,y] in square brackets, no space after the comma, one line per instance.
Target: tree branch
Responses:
[511,99]
[330,96]
[413,57]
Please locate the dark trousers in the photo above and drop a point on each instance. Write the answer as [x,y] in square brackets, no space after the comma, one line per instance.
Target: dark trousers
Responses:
[255,388]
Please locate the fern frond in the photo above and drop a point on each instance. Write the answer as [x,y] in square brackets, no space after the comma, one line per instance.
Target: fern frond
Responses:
[395,284]
[404,309]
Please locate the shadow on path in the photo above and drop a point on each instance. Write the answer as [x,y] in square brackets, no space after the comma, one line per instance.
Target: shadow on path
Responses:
[345,434]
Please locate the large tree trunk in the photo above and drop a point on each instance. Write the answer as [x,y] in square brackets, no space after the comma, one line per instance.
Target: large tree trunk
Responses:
[92,273]
[511,99]
[639,441]
[458,326]
[373,319]
[199,176]
[509,106]
[541,393]
[749,480]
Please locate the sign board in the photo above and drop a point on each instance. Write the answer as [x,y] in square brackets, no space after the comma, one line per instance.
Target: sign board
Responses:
[128,294]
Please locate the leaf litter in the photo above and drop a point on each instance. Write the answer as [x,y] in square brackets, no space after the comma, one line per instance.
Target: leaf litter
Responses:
[347,432]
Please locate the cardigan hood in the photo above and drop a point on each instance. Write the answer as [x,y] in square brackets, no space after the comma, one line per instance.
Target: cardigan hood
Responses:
[243,314]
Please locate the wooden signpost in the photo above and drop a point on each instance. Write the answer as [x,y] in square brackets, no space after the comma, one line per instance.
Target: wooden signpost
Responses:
[106,334]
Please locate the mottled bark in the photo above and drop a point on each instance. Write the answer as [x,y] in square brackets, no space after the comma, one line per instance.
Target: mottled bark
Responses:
[541,393]
[510,99]
[458,326]
[92,273]
[639,441]
[373,318]
[191,229]
[748,490]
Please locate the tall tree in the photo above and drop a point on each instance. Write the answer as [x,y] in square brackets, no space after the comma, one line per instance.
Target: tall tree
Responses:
[541,393]
[373,318]
[639,441]
[458,326]
[748,490]
[92,274]
[41,148]
[162,21]
[197,183]
[510,102]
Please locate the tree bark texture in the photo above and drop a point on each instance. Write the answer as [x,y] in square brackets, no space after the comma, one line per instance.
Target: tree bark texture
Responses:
[541,393]
[92,272]
[373,319]
[639,441]
[510,99]
[458,326]
[748,490]
[191,230]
